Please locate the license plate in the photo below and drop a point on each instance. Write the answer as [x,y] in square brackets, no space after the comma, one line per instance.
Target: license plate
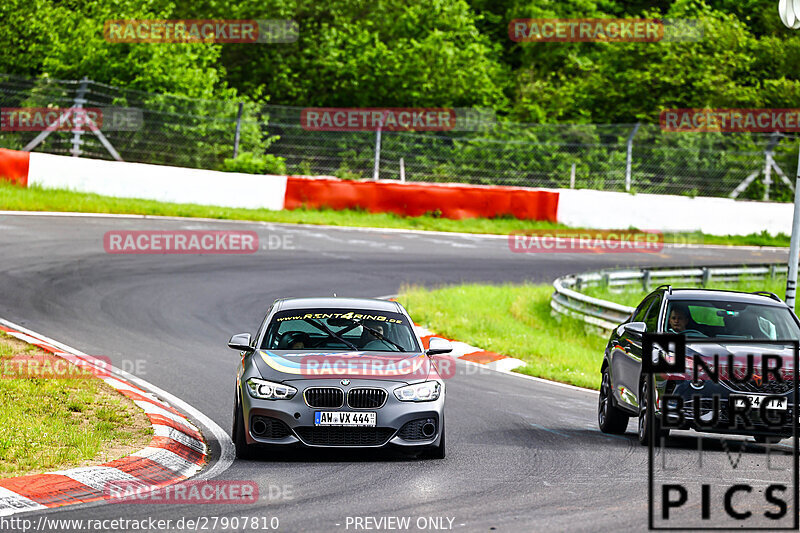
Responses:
[756,401]
[345,418]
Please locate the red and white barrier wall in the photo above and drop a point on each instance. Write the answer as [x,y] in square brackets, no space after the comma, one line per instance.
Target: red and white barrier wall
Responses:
[577,208]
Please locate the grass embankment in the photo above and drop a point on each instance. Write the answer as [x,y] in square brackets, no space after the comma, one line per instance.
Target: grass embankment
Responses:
[51,424]
[515,320]
[14,198]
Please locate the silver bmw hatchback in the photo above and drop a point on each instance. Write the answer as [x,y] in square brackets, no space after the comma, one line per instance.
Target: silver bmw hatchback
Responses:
[338,373]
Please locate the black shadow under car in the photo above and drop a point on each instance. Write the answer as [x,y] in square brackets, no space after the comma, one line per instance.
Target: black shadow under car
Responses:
[746,340]
[338,373]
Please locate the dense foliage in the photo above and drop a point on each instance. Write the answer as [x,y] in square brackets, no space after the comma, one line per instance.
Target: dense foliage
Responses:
[418,53]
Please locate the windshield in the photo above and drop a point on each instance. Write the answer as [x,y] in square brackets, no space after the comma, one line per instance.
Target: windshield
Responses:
[733,320]
[340,329]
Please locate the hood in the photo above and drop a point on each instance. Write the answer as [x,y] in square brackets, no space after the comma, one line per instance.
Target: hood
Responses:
[281,365]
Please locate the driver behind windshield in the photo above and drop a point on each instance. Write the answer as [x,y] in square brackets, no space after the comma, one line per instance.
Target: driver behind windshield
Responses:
[678,319]
[367,336]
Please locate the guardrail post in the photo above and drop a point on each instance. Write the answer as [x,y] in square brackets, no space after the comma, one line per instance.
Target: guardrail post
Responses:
[646,281]
[606,279]
[578,283]
[772,272]
[706,276]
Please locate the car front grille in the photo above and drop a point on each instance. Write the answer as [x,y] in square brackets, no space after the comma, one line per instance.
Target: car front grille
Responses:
[715,414]
[324,397]
[344,436]
[366,398]
[770,386]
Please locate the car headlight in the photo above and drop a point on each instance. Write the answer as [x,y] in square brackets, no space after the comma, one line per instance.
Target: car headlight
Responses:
[427,391]
[267,390]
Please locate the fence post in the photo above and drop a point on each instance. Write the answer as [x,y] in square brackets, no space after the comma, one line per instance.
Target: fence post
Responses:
[238,130]
[376,168]
[402,171]
[80,99]
[572,177]
[629,161]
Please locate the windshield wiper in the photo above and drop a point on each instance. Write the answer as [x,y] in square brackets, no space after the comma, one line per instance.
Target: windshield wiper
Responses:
[378,335]
[322,327]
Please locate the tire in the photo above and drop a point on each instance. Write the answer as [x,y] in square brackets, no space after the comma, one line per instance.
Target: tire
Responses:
[243,450]
[610,418]
[645,413]
[436,452]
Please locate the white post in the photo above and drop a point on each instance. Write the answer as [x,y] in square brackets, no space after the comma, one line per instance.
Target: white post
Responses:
[402,171]
[572,177]
[767,173]
[376,169]
[791,279]
[80,99]
[629,158]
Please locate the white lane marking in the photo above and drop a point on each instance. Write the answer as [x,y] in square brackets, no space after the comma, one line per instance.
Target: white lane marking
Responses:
[11,502]
[226,444]
[96,477]
[169,460]
[289,225]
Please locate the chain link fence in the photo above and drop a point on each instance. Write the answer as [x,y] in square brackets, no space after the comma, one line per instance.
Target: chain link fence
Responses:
[200,133]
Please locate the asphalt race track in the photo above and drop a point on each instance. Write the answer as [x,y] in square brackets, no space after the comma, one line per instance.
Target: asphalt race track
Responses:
[522,455]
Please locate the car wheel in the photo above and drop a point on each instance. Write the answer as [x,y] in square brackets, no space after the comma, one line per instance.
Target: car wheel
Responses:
[645,412]
[610,418]
[436,452]
[243,450]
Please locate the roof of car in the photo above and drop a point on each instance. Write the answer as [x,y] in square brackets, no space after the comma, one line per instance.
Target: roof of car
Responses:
[333,302]
[724,296]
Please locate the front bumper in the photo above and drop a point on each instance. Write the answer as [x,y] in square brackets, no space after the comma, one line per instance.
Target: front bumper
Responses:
[291,422]
[679,405]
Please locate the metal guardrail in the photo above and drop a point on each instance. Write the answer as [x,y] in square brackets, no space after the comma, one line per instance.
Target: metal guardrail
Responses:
[568,300]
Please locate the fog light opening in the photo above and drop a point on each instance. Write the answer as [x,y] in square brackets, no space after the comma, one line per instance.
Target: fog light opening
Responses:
[428,429]
[259,427]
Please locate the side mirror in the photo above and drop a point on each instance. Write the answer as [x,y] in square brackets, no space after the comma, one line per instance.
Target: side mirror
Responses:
[438,346]
[240,343]
[637,328]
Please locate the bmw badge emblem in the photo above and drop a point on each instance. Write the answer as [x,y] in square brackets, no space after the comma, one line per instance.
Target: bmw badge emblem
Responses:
[345,382]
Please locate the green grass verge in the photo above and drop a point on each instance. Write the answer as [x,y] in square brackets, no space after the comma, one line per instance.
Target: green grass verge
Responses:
[512,320]
[50,424]
[14,198]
